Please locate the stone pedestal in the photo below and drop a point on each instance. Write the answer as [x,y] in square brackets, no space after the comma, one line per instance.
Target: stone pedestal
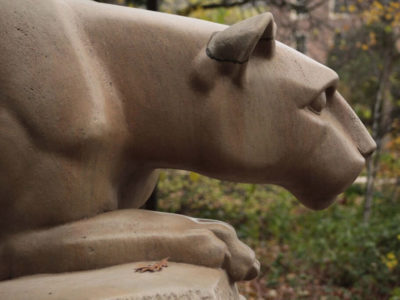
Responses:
[178,281]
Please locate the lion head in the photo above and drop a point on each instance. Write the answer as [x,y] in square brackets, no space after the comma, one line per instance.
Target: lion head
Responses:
[277,117]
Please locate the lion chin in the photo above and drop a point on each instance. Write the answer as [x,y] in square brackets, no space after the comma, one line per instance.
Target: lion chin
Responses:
[317,202]
[326,194]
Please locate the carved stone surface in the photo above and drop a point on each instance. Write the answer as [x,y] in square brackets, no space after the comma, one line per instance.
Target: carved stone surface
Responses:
[178,281]
[95,98]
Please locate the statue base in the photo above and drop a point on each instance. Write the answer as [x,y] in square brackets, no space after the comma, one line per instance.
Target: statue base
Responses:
[177,281]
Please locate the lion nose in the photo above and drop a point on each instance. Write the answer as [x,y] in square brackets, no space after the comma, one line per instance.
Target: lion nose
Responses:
[367,150]
[354,127]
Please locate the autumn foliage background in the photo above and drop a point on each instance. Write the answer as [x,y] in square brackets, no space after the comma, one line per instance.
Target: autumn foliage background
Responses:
[352,249]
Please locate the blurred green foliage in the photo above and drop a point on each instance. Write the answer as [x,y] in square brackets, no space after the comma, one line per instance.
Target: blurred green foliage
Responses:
[331,249]
[358,56]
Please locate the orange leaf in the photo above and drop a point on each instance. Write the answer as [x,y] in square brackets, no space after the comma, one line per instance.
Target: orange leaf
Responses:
[156,267]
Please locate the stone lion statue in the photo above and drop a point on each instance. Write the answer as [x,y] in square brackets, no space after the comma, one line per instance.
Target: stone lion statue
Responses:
[95,98]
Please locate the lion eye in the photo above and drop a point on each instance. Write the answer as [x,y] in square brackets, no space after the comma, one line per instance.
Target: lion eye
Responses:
[318,104]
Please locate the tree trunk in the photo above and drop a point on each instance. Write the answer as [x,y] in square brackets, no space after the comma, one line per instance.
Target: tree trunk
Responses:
[152,5]
[380,120]
[151,203]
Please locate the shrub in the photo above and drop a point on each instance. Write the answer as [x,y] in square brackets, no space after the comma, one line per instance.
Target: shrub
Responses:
[332,249]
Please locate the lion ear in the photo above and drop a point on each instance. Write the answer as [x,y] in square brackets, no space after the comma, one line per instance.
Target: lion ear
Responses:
[237,42]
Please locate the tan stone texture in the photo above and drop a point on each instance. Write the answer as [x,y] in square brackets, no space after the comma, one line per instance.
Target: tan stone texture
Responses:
[178,281]
[95,98]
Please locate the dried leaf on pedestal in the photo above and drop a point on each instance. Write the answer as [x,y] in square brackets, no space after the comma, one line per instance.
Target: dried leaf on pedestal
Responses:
[156,267]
